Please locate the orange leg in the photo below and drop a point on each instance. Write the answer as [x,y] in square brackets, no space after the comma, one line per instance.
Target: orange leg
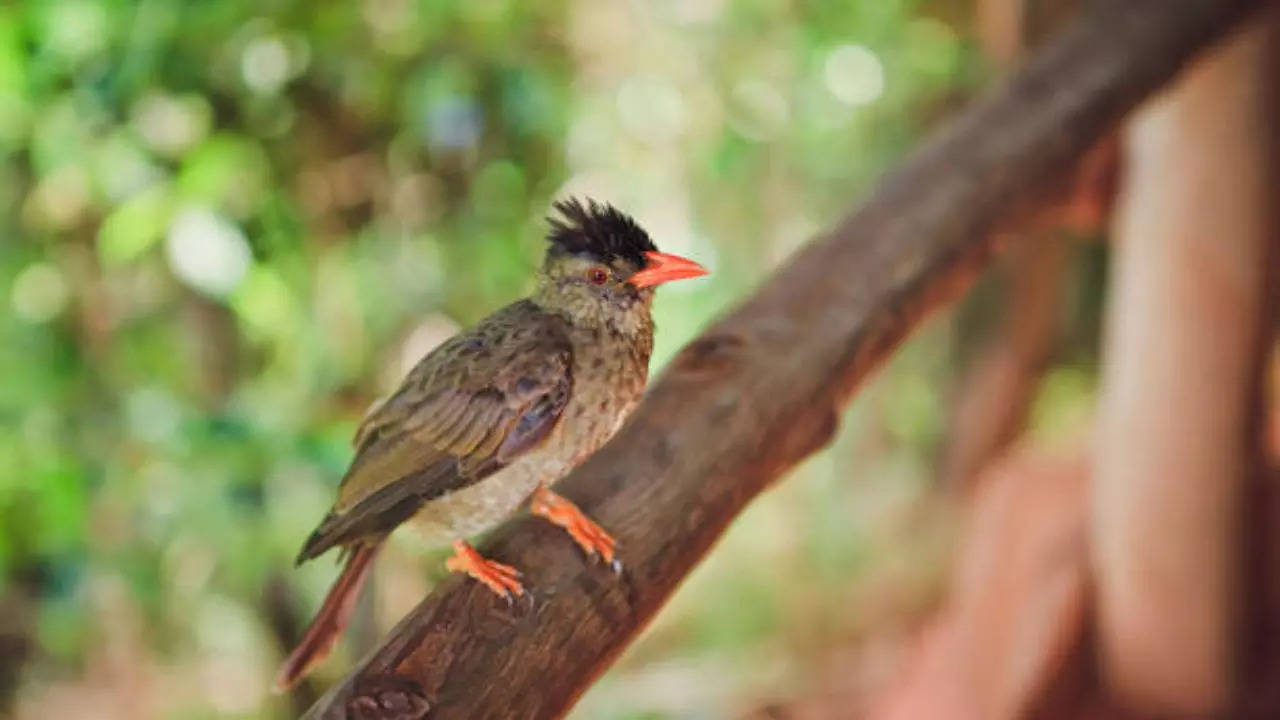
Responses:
[501,579]
[590,537]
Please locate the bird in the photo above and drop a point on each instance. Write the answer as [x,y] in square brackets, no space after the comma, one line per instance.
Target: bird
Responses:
[491,418]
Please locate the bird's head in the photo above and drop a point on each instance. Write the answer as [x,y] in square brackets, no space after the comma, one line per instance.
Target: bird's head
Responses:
[602,267]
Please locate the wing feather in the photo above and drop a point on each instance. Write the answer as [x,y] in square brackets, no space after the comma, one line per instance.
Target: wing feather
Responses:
[469,407]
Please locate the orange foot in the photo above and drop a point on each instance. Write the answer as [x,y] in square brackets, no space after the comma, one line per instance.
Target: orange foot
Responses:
[501,579]
[590,537]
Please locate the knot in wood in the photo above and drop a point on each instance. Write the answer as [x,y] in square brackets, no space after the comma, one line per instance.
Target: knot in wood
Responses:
[710,354]
[387,697]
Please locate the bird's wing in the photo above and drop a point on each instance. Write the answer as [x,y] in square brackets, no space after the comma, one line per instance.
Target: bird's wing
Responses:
[467,409]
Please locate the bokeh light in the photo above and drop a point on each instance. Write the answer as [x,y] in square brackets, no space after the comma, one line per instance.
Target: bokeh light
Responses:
[39,293]
[207,251]
[854,74]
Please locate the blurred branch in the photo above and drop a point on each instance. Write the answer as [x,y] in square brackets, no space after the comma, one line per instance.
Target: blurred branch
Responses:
[279,610]
[1008,641]
[997,391]
[17,627]
[1185,333]
[762,388]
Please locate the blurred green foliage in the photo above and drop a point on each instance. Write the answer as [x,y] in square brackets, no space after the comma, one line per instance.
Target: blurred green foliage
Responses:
[225,227]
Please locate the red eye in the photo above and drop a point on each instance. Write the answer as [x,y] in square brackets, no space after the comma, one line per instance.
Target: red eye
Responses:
[597,276]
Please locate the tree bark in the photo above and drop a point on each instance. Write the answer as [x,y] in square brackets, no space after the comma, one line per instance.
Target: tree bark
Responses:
[762,388]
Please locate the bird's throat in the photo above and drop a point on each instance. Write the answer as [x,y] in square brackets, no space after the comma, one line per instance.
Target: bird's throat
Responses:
[630,318]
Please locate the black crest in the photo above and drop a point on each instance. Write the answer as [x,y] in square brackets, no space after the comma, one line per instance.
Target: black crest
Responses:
[599,229]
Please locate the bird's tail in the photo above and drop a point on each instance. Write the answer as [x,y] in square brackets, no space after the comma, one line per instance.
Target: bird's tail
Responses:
[331,620]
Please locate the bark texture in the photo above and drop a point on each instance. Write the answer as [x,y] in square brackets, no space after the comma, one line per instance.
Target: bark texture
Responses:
[763,387]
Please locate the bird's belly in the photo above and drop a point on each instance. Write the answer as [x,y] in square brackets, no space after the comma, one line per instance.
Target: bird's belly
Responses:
[480,507]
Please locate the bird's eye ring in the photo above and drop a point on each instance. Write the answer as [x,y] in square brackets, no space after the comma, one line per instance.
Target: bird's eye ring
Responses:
[597,276]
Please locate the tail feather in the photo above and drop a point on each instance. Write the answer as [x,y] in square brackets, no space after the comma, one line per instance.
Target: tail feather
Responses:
[320,541]
[330,620]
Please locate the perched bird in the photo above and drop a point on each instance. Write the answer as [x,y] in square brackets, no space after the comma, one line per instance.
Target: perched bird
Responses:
[497,413]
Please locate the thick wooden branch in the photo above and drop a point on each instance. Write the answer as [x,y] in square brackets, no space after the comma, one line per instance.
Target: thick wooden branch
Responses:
[763,387]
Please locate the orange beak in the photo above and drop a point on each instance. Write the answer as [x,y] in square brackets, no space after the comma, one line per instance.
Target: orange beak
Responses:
[664,268]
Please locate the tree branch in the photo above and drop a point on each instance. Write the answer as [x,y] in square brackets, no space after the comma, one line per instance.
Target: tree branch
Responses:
[762,388]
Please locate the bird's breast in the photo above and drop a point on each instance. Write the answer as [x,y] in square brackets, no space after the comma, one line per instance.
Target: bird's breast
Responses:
[609,376]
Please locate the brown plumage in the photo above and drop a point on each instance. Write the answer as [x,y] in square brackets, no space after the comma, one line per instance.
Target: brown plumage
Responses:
[494,415]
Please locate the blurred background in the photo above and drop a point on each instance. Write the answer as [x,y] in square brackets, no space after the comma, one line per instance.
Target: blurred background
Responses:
[226,227]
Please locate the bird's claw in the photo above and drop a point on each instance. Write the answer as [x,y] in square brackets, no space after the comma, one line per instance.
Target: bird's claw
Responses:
[503,580]
[589,536]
